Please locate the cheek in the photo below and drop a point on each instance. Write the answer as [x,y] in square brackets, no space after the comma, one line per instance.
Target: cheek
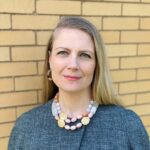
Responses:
[56,66]
[53,62]
[90,70]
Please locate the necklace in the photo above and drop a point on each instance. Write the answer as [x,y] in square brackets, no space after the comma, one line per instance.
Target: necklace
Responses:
[72,123]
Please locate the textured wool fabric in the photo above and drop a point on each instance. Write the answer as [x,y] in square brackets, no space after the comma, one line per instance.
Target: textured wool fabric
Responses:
[111,128]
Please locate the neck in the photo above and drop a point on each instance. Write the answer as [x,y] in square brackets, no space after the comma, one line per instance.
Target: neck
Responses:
[74,104]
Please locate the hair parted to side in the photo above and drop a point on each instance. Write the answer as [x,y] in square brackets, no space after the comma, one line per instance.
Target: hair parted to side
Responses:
[102,86]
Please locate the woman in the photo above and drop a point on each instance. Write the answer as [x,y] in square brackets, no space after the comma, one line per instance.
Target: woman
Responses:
[83,112]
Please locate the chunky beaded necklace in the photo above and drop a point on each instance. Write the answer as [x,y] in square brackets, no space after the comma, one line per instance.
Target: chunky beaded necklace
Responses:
[73,123]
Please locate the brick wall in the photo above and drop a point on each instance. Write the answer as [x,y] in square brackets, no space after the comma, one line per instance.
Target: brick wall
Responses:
[25,27]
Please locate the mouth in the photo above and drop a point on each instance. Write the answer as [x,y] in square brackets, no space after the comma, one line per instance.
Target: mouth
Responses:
[72,78]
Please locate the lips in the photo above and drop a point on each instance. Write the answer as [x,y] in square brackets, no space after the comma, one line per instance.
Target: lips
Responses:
[72,78]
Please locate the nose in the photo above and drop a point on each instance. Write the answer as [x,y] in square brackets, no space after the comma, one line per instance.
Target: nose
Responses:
[73,63]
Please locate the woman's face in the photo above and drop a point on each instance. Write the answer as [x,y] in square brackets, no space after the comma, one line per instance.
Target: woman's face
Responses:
[72,60]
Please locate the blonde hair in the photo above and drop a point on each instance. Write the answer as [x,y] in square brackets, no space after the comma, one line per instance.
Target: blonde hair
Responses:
[102,86]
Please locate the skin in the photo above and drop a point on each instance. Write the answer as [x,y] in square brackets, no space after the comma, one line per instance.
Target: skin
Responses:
[72,63]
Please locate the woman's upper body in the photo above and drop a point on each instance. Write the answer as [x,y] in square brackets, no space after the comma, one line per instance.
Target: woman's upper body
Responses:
[111,128]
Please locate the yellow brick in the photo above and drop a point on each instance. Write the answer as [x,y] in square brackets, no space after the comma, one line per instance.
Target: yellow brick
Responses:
[113,63]
[123,75]
[146,120]
[143,98]
[144,49]
[133,87]
[5,21]
[28,53]
[136,9]
[121,50]
[17,38]
[15,69]
[135,62]
[141,109]
[23,109]
[5,129]
[123,0]
[110,37]
[143,74]
[6,85]
[34,22]
[40,97]
[41,67]
[17,6]
[57,7]
[96,8]
[128,100]
[28,83]
[4,56]
[97,21]
[18,99]
[4,143]
[7,115]
[135,36]
[146,1]
[145,23]
[120,23]
[43,37]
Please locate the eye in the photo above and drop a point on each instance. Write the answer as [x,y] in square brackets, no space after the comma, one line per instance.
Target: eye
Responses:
[63,53]
[85,55]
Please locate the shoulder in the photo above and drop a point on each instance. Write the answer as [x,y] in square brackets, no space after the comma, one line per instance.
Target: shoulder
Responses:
[127,115]
[28,123]
[122,117]
[118,111]
[34,117]
[126,120]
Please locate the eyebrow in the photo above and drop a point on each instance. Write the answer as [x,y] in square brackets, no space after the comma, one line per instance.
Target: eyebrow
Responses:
[89,51]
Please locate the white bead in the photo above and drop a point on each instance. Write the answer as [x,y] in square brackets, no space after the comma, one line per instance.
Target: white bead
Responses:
[54,110]
[90,115]
[79,117]
[67,120]
[58,108]
[67,127]
[73,127]
[56,117]
[73,119]
[93,109]
[79,125]
[88,109]
[89,106]
[57,104]
[59,111]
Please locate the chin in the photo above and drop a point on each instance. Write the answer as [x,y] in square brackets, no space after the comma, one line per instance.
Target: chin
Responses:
[72,89]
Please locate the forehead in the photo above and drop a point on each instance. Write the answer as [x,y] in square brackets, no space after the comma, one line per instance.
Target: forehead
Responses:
[63,30]
[72,36]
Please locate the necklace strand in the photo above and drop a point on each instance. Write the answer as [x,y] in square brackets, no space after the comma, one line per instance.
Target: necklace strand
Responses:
[72,123]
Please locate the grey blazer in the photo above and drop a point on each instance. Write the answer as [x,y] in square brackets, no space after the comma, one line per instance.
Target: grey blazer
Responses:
[111,128]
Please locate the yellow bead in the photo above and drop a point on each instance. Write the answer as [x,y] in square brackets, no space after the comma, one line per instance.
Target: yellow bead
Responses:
[85,120]
[61,123]
[63,116]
